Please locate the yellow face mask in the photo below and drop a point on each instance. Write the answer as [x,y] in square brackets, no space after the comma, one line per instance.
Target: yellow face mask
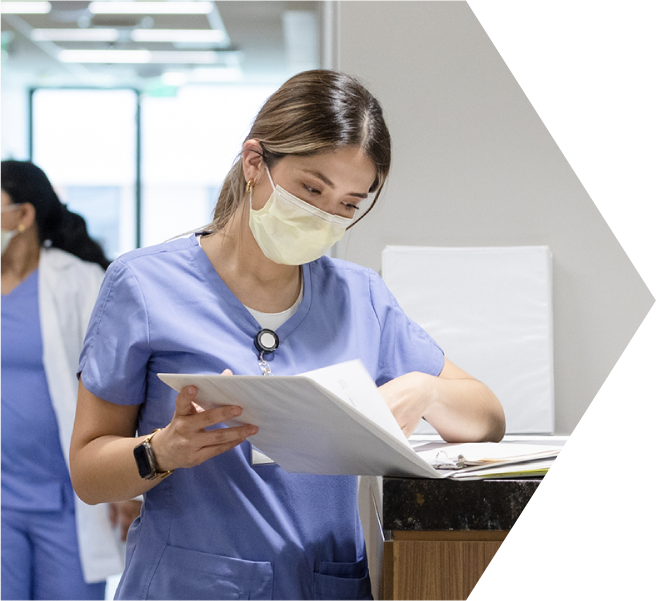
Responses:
[291,231]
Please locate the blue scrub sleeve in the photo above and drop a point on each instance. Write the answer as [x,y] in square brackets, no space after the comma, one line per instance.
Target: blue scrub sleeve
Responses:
[404,345]
[114,359]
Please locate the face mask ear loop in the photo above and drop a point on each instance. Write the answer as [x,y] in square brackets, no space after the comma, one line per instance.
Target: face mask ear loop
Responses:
[250,198]
[269,174]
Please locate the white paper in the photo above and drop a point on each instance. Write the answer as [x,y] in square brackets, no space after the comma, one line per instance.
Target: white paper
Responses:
[306,428]
[259,458]
[351,382]
[512,470]
[485,459]
[486,452]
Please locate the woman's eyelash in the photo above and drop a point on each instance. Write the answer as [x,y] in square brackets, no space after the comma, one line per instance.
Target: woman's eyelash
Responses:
[348,205]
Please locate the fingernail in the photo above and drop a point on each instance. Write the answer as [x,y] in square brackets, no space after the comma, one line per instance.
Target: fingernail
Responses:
[252,430]
[235,411]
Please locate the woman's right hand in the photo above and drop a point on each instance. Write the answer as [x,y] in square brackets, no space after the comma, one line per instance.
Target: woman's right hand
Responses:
[186,443]
[103,468]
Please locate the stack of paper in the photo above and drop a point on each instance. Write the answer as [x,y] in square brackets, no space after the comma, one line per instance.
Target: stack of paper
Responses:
[485,460]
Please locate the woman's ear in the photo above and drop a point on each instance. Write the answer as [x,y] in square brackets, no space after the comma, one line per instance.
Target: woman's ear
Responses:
[27,216]
[252,162]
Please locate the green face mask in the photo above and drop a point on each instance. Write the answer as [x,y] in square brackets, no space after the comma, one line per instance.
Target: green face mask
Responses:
[291,231]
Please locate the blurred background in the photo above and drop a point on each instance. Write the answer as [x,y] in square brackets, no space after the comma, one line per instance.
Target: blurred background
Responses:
[136,110]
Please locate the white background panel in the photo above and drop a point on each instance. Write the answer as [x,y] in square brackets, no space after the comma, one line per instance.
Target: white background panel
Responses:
[490,309]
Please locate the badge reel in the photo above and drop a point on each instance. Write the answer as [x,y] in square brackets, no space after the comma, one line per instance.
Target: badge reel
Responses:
[266,341]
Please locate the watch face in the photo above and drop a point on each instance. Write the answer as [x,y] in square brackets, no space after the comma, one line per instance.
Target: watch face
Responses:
[143,461]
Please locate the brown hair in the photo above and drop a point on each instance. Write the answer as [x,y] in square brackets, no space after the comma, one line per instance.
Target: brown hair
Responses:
[312,112]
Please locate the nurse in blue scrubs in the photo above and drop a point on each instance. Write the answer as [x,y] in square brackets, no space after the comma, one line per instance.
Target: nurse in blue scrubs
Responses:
[215,523]
[51,274]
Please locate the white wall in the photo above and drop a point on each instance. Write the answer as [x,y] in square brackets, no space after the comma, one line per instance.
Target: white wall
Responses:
[473,165]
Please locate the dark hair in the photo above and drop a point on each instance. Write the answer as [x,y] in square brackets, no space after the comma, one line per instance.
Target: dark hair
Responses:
[313,112]
[24,182]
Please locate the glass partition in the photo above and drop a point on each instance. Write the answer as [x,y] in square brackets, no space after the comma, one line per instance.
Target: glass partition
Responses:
[87,142]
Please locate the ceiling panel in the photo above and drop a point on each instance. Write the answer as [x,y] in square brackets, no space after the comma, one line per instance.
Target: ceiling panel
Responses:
[256,49]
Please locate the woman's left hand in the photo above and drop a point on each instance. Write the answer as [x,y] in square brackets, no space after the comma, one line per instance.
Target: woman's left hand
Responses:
[408,397]
[459,407]
[122,514]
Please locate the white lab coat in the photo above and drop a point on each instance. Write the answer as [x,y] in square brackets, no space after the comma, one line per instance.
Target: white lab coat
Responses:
[68,288]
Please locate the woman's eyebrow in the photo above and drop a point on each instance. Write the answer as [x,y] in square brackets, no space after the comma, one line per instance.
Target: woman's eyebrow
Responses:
[330,184]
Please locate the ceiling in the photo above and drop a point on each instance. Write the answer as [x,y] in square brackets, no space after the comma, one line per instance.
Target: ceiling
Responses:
[249,42]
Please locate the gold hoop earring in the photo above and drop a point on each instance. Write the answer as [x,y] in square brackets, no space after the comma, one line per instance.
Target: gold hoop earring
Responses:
[249,185]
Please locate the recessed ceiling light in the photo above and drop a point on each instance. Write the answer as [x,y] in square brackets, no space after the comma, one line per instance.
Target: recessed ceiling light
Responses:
[25,8]
[186,56]
[74,35]
[104,56]
[138,56]
[151,8]
[202,75]
[178,35]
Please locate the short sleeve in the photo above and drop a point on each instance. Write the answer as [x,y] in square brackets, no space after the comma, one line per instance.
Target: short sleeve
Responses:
[404,345]
[114,359]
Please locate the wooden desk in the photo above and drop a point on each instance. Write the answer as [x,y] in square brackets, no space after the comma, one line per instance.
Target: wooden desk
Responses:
[436,565]
[435,538]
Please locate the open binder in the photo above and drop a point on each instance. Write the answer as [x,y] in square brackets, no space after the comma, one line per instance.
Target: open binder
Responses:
[329,421]
[334,421]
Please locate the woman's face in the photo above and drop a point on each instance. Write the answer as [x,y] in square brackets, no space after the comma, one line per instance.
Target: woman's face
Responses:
[9,214]
[335,182]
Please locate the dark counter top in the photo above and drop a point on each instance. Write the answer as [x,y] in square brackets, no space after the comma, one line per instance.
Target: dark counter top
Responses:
[426,504]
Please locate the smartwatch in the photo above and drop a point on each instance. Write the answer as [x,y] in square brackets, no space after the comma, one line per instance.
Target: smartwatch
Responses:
[145,458]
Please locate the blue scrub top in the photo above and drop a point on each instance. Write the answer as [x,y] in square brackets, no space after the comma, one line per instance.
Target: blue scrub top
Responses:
[34,472]
[227,529]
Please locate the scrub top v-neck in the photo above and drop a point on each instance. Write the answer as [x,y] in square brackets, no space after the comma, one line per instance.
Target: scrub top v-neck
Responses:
[242,311]
[227,528]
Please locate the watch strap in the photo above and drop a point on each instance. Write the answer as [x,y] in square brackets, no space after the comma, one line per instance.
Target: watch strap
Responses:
[146,461]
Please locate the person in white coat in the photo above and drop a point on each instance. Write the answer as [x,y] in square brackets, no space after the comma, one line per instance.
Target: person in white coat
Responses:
[54,546]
